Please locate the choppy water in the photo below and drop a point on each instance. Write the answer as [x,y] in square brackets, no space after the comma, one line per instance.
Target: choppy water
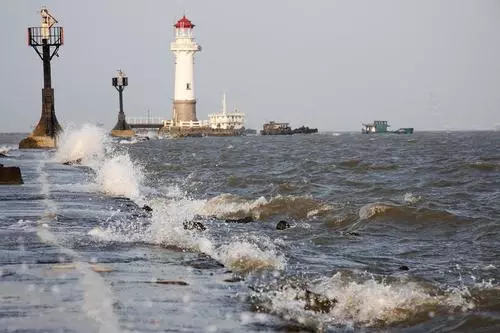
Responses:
[390,233]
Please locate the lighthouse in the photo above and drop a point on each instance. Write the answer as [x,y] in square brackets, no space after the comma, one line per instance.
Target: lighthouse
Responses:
[184,49]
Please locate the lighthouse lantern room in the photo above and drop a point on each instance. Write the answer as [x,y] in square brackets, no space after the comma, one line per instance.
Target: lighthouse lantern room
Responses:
[184,49]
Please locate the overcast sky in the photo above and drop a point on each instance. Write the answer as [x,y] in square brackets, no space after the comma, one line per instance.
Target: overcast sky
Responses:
[428,64]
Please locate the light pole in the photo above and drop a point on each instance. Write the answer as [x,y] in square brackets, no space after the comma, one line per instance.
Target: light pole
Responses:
[45,40]
[121,129]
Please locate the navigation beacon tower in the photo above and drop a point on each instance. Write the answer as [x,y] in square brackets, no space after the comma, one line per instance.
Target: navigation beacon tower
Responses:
[46,40]
[184,48]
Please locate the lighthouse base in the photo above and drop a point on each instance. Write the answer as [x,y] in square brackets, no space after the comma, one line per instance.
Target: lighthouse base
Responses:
[122,133]
[37,142]
[45,132]
[184,111]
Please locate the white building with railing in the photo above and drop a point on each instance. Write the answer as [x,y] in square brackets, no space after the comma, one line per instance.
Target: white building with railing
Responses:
[185,124]
[226,120]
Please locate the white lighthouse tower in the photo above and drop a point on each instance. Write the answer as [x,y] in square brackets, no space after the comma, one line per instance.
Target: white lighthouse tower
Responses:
[184,49]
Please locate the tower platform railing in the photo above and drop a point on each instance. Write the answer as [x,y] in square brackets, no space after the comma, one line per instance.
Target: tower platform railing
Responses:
[53,35]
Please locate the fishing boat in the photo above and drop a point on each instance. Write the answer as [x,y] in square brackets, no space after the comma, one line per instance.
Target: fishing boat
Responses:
[381,126]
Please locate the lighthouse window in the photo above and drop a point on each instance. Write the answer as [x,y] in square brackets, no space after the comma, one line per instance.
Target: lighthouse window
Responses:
[188,86]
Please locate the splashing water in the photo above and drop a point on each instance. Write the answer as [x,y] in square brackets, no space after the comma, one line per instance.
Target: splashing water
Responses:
[411,199]
[251,254]
[367,302]
[6,149]
[118,175]
[372,302]
[232,206]
[86,144]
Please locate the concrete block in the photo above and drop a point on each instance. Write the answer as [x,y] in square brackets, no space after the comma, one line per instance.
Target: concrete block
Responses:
[10,175]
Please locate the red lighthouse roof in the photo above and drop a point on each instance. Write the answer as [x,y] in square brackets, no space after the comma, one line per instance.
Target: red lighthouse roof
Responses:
[184,23]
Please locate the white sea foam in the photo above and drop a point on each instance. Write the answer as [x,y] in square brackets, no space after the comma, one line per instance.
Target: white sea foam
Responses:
[128,142]
[372,209]
[368,302]
[246,254]
[240,253]
[321,209]
[118,175]
[5,149]
[228,204]
[411,199]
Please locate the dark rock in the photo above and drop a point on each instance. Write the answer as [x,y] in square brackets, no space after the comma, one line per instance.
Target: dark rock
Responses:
[404,268]
[77,161]
[352,233]
[173,282]
[245,219]
[318,303]
[282,225]
[204,262]
[192,225]
[147,208]
[10,175]
[234,279]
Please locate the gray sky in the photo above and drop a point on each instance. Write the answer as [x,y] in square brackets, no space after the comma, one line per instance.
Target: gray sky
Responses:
[429,64]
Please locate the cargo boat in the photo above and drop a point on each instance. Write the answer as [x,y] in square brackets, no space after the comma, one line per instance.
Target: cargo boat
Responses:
[381,126]
[274,128]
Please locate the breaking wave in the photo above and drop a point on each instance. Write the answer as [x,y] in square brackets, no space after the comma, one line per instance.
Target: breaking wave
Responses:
[4,150]
[408,213]
[118,175]
[240,253]
[86,144]
[484,166]
[232,206]
[248,254]
[360,300]
[115,173]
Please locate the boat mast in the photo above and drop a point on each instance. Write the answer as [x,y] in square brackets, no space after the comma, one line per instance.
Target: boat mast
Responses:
[224,109]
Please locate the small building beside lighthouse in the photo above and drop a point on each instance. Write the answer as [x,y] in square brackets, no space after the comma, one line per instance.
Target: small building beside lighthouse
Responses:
[226,120]
[184,49]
